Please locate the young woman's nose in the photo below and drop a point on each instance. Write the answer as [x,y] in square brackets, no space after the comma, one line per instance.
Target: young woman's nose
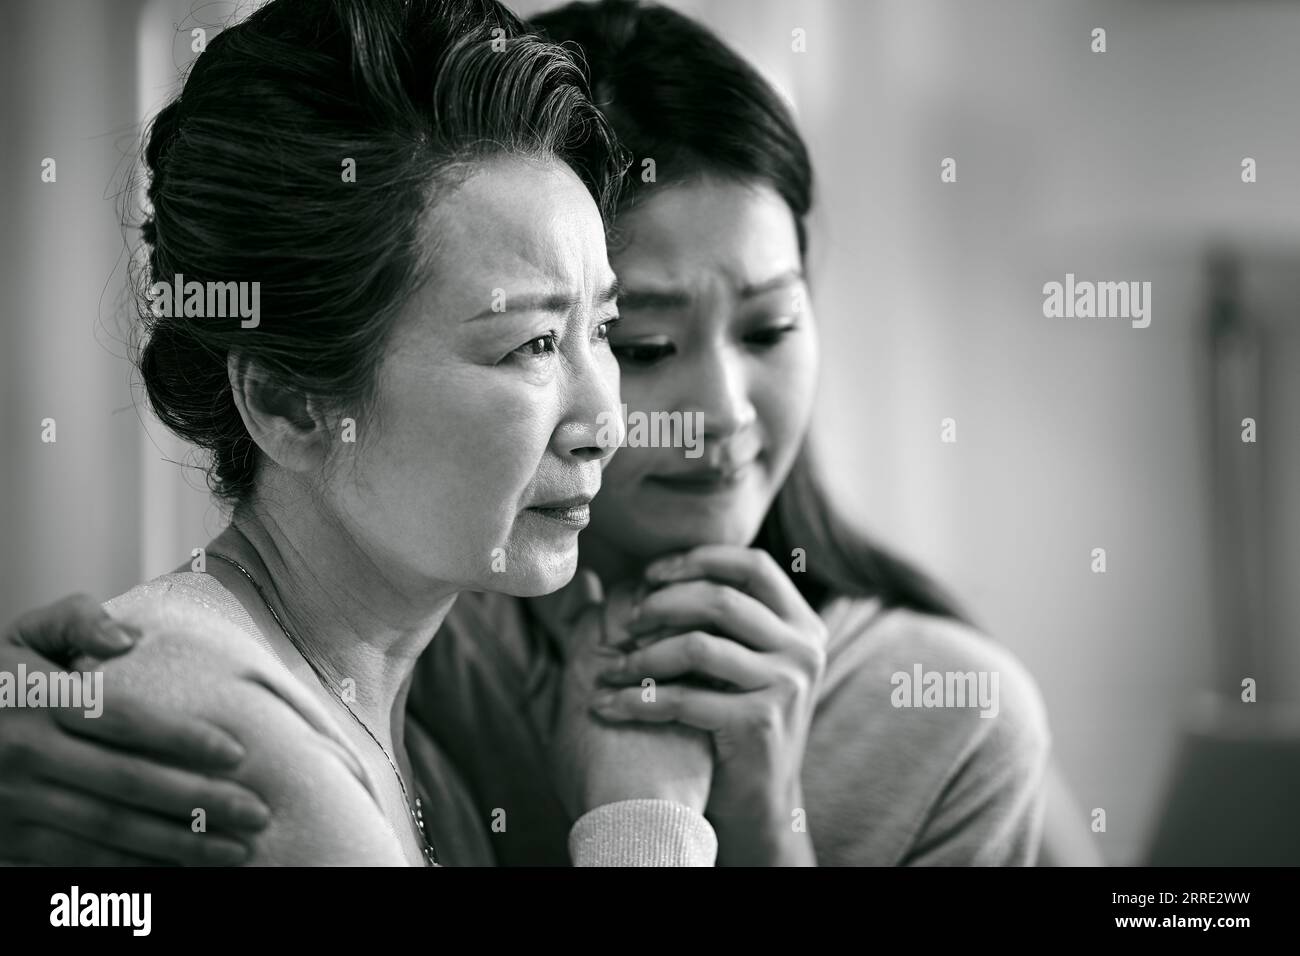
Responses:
[720,391]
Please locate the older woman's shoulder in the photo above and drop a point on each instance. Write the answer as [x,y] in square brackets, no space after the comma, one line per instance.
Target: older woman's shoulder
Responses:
[187,614]
[197,657]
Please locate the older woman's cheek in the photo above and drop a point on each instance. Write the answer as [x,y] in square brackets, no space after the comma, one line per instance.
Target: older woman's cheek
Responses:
[433,479]
[515,469]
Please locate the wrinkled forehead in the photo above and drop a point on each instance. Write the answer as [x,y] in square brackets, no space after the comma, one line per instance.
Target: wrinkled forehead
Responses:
[513,220]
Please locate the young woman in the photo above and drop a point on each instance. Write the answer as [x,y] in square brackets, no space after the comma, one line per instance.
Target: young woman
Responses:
[728,580]
[379,428]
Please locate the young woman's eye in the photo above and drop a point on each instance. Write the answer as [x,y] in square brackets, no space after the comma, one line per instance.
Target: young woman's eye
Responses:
[771,335]
[642,353]
[542,345]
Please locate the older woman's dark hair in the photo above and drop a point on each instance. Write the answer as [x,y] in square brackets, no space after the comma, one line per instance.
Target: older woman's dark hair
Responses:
[247,183]
[676,93]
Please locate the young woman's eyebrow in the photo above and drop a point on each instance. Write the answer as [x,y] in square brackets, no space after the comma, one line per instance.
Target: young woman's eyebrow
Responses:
[788,277]
[561,302]
[677,298]
[654,299]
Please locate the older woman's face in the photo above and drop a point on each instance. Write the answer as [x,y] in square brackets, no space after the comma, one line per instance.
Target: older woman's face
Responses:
[717,322]
[487,441]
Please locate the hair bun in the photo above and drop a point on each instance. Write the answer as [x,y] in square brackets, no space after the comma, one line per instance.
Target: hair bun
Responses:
[163,132]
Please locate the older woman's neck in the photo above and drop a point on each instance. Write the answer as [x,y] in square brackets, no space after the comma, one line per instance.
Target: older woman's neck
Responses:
[356,617]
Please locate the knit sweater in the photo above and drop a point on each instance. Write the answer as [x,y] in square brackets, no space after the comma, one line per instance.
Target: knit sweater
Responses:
[324,806]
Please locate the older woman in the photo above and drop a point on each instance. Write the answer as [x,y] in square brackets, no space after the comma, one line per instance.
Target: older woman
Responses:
[413,189]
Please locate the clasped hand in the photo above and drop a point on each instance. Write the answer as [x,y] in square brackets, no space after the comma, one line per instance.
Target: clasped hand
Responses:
[719,652]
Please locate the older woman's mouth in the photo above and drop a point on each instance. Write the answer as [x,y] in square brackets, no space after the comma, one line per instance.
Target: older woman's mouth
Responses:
[573,512]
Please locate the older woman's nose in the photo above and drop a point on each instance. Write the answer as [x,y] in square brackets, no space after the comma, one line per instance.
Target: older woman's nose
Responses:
[593,427]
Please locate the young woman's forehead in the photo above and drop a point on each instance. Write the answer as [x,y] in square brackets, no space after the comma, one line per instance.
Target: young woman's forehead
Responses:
[708,221]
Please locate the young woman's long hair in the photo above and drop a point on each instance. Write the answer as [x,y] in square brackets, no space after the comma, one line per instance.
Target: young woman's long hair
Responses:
[675,92]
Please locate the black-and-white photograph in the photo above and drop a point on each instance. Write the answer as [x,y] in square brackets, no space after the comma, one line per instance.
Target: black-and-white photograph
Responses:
[740,433]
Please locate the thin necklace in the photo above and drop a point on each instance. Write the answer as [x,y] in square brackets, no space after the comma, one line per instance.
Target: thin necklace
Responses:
[415,809]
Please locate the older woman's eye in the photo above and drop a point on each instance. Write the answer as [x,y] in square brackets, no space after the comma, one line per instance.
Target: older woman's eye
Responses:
[542,345]
[602,330]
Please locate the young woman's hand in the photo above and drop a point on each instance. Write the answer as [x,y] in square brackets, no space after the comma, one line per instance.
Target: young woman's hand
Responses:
[730,619]
[116,789]
[596,762]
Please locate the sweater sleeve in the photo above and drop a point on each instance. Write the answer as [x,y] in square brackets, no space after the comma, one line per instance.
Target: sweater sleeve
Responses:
[643,833]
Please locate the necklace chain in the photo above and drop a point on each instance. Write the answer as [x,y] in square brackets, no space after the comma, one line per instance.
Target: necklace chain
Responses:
[415,809]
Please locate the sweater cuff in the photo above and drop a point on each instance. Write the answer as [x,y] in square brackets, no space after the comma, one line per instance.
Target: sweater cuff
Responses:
[643,833]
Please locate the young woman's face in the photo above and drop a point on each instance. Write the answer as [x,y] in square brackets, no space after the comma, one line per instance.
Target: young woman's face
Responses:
[487,443]
[717,322]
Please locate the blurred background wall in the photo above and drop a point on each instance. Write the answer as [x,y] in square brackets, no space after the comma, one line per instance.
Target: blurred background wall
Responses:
[1072,434]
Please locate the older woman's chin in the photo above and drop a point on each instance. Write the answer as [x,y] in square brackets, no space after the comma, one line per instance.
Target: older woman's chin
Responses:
[544,574]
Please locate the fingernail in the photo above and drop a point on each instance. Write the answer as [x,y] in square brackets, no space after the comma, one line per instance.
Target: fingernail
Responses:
[250,814]
[226,853]
[225,750]
[118,635]
[614,669]
[602,700]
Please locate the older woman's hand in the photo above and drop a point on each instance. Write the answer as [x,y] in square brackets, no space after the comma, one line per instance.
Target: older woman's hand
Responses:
[731,617]
[596,762]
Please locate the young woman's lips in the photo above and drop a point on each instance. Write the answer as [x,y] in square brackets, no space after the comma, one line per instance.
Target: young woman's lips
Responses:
[703,481]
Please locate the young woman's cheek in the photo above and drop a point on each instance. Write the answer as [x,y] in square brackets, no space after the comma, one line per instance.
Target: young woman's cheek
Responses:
[786,389]
[640,390]
[804,374]
[623,470]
